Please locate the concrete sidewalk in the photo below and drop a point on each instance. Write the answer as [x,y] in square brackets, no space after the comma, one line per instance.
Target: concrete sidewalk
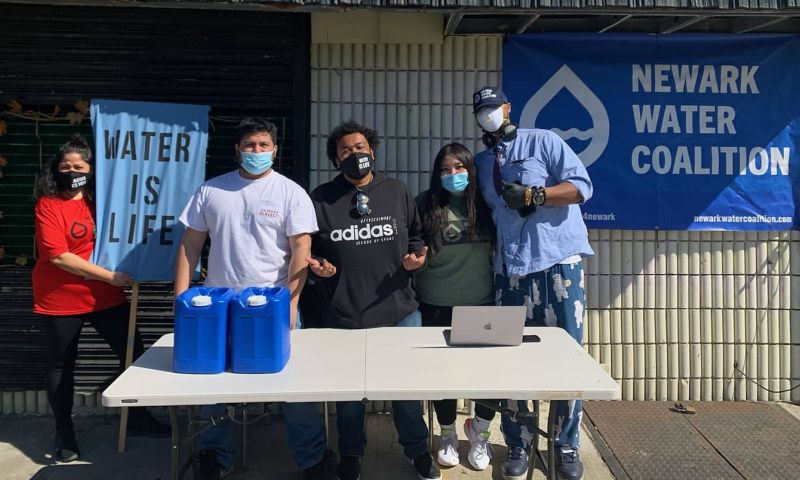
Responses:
[26,452]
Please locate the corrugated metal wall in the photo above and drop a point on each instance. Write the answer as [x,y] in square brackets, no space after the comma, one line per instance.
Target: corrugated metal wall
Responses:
[671,314]
[674,314]
[417,97]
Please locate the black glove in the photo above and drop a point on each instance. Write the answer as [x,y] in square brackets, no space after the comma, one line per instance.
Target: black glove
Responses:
[525,211]
[514,195]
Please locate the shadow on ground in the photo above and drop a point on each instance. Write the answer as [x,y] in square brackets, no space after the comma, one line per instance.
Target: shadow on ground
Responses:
[26,452]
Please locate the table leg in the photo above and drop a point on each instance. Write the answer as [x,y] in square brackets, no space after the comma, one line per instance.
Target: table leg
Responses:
[192,450]
[327,417]
[430,425]
[123,429]
[551,442]
[244,435]
[176,443]
[534,453]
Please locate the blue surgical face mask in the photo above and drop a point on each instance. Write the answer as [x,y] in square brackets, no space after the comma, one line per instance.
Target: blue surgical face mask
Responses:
[456,182]
[256,163]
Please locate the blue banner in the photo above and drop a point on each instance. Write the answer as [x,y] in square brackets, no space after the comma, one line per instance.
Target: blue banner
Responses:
[150,158]
[694,131]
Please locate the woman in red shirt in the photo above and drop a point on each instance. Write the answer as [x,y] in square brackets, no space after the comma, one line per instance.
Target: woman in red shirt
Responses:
[69,290]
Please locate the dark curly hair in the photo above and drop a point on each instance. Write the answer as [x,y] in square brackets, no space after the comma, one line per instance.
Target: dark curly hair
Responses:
[435,202]
[47,186]
[251,125]
[346,128]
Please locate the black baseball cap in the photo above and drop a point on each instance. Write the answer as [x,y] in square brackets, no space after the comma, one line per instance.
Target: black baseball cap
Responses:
[487,96]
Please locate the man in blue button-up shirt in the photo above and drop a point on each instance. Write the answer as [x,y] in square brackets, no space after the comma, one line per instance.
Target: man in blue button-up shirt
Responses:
[534,182]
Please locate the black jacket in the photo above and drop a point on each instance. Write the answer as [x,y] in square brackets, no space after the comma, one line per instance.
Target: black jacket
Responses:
[371,288]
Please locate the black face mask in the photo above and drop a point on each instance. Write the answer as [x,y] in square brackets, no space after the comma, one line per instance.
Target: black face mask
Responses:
[71,181]
[357,165]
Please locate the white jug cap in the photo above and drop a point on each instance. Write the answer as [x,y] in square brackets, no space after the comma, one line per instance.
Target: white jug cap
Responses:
[201,301]
[256,301]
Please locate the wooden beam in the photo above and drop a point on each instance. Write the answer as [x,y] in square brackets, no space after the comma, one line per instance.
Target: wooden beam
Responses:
[615,24]
[682,24]
[525,22]
[751,25]
[452,23]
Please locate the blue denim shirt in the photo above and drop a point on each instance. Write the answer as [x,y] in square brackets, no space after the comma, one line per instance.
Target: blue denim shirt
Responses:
[552,233]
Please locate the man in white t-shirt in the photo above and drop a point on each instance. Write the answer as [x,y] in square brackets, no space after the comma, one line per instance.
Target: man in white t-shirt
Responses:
[259,224]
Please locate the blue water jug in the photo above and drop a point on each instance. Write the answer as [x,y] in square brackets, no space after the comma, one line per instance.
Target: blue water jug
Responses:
[201,330]
[260,330]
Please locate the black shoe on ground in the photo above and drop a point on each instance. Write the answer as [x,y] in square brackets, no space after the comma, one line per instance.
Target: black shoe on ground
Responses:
[66,446]
[426,468]
[322,470]
[142,423]
[208,469]
[515,466]
[568,464]
[349,468]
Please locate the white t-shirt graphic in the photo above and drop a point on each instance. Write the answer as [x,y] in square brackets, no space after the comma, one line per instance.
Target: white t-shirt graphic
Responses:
[249,222]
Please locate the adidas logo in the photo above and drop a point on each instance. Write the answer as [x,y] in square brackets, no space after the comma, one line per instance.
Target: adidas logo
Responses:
[366,232]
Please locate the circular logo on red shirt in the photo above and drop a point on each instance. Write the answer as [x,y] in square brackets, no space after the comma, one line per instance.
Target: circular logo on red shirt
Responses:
[78,230]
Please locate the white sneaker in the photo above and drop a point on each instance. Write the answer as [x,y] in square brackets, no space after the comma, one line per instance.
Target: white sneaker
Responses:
[480,450]
[448,450]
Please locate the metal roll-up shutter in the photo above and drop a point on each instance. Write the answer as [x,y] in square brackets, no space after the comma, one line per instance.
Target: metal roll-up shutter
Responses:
[241,63]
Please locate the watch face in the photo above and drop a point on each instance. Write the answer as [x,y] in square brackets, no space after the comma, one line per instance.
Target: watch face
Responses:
[539,197]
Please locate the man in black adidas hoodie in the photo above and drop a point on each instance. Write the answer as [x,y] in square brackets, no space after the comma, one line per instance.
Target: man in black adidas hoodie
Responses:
[368,244]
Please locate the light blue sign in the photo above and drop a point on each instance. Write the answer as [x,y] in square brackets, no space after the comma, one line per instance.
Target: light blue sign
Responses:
[694,131]
[150,158]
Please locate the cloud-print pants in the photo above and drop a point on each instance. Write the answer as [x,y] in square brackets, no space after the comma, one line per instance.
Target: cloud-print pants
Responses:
[554,298]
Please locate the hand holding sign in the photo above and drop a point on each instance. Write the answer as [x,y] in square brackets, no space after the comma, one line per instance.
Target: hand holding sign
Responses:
[120,279]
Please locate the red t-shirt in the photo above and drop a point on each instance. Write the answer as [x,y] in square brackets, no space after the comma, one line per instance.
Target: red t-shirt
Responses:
[67,226]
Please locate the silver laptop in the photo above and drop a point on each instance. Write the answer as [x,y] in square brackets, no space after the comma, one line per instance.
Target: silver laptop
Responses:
[487,326]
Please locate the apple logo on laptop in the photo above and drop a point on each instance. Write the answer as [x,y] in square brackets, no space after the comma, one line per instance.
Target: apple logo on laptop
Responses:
[488,326]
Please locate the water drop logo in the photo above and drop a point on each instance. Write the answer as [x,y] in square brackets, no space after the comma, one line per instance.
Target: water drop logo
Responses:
[565,78]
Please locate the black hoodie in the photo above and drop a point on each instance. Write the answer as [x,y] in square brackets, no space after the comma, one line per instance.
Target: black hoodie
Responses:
[371,288]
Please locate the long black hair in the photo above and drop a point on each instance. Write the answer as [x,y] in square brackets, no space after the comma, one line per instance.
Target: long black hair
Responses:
[437,199]
[47,185]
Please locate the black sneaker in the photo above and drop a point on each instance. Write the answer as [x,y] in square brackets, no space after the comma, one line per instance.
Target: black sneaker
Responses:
[322,470]
[66,446]
[515,467]
[568,463]
[426,468]
[142,423]
[349,468]
[208,469]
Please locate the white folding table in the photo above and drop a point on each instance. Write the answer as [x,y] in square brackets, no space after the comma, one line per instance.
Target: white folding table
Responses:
[417,364]
[378,364]
[325,365]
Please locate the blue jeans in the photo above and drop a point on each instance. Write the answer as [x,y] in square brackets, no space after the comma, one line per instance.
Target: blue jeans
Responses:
[412,431]
[307,439]
[555,298]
